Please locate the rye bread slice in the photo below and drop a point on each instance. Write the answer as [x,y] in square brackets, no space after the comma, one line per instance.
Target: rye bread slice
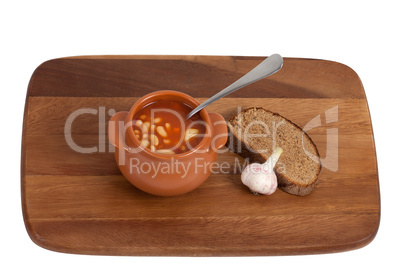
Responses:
[255,132]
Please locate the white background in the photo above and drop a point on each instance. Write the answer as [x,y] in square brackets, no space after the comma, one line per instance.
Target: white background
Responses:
[364,35]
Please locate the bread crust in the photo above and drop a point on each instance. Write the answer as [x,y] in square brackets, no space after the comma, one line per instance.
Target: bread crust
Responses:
[284,183]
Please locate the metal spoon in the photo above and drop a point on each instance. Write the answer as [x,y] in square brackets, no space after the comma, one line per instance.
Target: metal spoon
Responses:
[266,68]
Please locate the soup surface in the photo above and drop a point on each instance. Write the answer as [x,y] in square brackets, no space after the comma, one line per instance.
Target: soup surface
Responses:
[162,127]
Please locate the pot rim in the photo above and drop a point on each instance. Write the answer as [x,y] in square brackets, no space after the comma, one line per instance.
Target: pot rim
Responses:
[205,142]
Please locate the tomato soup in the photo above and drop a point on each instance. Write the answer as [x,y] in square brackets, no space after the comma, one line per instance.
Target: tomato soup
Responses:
[162,127]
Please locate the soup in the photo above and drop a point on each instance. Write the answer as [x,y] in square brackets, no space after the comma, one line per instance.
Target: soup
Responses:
[162,127]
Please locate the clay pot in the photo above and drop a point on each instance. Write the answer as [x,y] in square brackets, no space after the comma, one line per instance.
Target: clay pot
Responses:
[164,174]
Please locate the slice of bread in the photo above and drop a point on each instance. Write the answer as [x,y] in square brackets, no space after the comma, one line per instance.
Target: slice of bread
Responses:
[255,132]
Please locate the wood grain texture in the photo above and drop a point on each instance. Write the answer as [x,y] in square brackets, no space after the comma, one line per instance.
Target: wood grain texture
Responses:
[80,203]
[198,76]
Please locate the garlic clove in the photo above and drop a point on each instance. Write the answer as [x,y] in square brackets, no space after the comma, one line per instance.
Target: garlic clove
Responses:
[260,178]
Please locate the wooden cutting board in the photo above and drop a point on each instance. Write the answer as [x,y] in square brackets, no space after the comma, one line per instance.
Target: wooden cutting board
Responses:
[75,200]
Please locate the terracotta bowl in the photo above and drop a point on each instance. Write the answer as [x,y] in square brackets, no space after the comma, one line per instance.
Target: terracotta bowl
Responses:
[164,174]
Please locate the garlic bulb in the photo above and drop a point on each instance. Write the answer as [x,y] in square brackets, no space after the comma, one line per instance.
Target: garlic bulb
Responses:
[261,178]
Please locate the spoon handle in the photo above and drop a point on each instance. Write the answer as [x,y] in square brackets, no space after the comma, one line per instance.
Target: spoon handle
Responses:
[266,68]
